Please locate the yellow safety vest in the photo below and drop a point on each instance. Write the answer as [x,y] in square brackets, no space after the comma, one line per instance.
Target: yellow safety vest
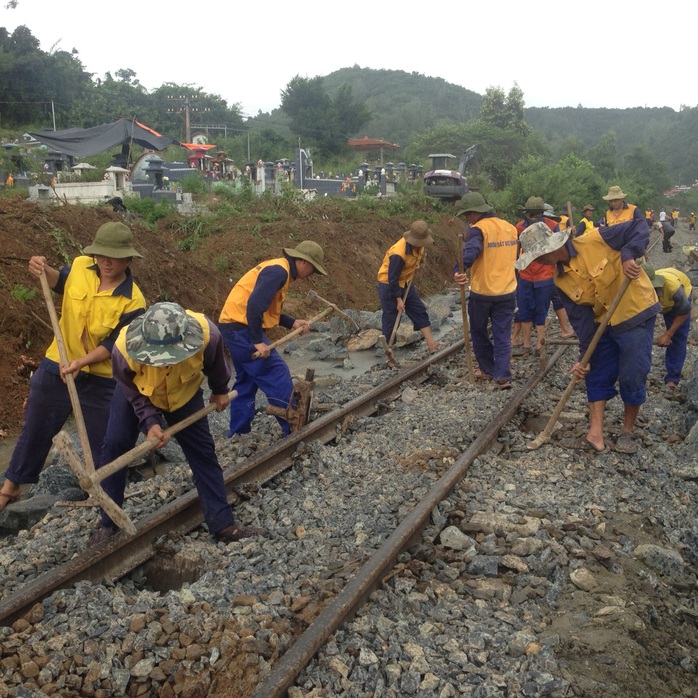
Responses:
[493,273]
[169,387]
[235,308]
[593,278]
[673,279]
[411,262]
[89,316]
[625,214]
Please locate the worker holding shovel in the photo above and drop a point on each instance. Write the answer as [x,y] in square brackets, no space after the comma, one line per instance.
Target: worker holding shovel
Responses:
[489,254]
[99,298]
[160,361]
[595,271]
[396,291]
[255,304]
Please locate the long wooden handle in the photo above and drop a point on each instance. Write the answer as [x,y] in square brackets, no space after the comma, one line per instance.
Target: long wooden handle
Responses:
[464,311]
[69,378]
[545,434]
[296,332]
[149,444]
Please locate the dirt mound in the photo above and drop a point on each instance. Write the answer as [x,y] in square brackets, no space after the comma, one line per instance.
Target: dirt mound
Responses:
[197,272]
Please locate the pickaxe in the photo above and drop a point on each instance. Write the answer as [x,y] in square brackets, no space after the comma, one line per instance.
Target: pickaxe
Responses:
[351,321]
[90,479]
[313,320]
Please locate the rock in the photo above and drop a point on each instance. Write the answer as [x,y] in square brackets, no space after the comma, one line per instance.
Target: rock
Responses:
[664,560]
[583,579]
[366,339]
[452,537]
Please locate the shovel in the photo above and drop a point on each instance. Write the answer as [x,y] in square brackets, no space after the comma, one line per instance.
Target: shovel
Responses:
[464,311]
[388,345]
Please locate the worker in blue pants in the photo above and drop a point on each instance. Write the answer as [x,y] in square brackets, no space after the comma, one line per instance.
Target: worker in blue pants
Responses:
[255,304]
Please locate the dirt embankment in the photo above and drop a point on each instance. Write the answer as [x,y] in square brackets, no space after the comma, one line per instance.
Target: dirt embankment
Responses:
[200,278]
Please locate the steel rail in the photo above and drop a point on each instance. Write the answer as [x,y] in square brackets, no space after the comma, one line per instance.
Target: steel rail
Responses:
[367,579]
[124,552]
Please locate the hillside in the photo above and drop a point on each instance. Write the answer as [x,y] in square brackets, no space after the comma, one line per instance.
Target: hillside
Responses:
[354,240]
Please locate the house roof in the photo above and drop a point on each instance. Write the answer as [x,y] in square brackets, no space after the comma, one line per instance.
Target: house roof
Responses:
[367,143]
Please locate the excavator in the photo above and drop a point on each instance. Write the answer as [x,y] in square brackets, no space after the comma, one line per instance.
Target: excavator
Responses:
[447,184]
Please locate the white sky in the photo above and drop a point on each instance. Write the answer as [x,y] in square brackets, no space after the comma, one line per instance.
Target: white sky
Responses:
[593,53]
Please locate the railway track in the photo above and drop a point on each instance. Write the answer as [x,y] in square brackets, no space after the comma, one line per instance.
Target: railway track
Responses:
[126,553]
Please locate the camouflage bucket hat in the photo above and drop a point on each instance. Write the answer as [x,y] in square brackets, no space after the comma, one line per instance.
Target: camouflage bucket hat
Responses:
[113,240]
[537,240]
[163,336]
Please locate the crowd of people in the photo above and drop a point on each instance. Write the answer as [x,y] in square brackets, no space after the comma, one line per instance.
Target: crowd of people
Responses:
[138,369]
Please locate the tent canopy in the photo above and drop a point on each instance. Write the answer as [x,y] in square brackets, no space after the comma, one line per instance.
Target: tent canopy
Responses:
[80,142]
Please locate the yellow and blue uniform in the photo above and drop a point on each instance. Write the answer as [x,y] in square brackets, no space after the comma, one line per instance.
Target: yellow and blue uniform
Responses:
[398,268]
[255,304]
[588,283]
[89,318]
[676,299]
[150,395]
[490,252]
[628,212]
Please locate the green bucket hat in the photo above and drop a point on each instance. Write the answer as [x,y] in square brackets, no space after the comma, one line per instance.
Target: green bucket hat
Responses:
[113,240]
[534,203]
[164,335]
[309,251]
[473,202]
[657,280]
[419,235]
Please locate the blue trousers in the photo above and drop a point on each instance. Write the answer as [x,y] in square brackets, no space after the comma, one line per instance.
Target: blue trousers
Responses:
[271,376]
[493,355]
[625,357]
[534,301]
[414,309]
[196,443]
[676,352]
[48,408]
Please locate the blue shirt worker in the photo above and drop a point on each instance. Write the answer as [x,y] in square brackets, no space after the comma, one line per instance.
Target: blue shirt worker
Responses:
[99,297]
[255,304]
[589,273]
[489,253]
[159,362]
[399,266]
[675,294]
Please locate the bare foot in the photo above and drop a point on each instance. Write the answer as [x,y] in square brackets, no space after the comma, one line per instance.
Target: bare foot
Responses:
[564,335]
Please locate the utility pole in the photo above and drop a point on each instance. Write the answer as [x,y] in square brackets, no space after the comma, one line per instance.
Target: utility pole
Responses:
[185,109]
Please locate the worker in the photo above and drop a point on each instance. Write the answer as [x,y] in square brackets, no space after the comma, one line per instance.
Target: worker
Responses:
[160,361]
[619,210]
[489,253]
[586,223]
[535,285]
[675,218]
[395,275]
[254,305]
[589,271]
[692,222]
[99,297]
[675,294]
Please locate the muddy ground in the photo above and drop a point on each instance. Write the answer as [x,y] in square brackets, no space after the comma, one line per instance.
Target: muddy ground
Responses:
[201,278]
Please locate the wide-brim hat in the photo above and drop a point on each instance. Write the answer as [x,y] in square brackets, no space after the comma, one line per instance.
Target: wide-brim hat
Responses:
[534,203]
[537,240]
[311,252]
[164,335]
[473,202]
[588,207]
[419,235]
[657,280]
[112,240]
[615,192]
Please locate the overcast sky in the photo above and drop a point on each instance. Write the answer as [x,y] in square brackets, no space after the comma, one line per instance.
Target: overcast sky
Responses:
[593,54]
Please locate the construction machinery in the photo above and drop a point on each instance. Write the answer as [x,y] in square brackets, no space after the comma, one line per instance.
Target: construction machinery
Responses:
[447,184]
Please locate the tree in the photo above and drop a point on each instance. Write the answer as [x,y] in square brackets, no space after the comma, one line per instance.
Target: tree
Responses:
[320,120]
[505,112]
